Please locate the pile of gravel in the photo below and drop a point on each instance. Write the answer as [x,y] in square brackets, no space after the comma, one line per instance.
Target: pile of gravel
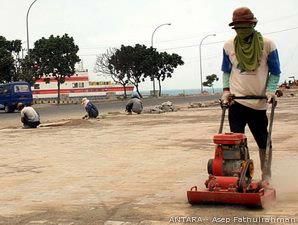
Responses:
[164,107]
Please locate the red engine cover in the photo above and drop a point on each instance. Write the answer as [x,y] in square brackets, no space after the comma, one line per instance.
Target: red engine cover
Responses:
[229,138]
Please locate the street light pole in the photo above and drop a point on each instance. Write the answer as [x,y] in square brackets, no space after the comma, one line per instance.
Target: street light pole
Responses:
[164,24]
[27,28]
[201,59]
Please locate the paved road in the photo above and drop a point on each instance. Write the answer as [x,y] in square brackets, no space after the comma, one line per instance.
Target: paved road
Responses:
[50,112]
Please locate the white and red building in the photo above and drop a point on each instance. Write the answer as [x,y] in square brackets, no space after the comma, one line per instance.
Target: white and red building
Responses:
[77,86]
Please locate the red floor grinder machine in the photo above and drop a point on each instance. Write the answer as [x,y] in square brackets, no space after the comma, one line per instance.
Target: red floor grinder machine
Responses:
[231,170]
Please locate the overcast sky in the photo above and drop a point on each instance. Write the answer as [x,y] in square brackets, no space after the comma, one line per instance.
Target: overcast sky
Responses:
[99,24]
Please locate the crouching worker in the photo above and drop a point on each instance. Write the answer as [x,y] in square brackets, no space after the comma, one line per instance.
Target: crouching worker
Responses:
[29,117]
[134,104]
[91,109]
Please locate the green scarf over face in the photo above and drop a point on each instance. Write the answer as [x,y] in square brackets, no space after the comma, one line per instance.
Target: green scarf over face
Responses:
[248,47]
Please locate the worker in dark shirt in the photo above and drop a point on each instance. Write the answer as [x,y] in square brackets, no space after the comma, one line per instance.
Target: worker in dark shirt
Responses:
[91,109]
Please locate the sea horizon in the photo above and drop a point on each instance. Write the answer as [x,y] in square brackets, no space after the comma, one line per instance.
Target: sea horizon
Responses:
[190,91]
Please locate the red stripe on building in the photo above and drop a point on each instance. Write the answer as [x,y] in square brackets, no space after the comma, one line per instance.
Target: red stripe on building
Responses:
[72,78]
[82,90]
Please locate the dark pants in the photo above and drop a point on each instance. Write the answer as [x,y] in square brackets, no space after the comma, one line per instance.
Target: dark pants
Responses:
[30,124]
[257,121]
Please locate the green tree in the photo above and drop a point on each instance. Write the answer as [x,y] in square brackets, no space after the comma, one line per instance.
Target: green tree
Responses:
[132,62]
[210,80]
[166,64]
[9,59]
[135,64]
[103,67]
[55,56]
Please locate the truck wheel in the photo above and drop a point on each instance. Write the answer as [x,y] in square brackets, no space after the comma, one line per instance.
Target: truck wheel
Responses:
[8,109]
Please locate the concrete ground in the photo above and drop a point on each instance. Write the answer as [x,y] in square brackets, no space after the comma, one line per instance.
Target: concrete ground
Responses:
[133,170]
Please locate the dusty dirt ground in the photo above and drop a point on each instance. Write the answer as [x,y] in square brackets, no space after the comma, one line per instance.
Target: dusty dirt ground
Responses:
[132,169]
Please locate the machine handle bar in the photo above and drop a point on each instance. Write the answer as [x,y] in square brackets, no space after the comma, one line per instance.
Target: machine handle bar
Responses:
[225,106]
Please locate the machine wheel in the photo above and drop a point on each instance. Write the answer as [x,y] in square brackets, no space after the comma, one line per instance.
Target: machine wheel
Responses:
[246,175]
[209,166]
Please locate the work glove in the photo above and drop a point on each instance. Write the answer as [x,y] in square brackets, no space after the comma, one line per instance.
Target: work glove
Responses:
[270,96]
[226,97]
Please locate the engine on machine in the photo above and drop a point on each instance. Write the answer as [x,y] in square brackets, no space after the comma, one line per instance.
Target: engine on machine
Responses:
[231,169]
[230,152]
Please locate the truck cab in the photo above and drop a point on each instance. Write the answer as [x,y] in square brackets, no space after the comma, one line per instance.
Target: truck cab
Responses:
[13,93]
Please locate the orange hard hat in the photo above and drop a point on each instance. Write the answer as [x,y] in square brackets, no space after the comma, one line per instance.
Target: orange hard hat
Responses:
[243,15]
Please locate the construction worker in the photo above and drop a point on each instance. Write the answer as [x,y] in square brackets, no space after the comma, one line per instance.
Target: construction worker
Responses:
[29,117]
[134,104]
[91,109]
[250,67]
